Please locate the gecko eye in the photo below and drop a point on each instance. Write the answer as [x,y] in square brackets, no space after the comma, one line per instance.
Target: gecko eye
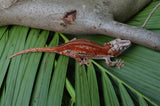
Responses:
[121,48]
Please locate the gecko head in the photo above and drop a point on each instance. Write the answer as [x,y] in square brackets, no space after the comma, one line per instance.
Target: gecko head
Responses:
[117,46]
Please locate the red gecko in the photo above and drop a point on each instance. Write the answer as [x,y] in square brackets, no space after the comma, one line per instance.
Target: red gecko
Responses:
[83,49]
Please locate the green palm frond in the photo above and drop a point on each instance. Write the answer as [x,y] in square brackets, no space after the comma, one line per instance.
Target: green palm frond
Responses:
[40,79]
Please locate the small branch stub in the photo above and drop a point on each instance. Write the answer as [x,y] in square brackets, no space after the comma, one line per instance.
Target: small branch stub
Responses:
[70,17]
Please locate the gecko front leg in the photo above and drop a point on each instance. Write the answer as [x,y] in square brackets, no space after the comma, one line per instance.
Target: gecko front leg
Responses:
[118,63]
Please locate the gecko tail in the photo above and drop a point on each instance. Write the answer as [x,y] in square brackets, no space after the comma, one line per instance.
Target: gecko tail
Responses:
[41,49]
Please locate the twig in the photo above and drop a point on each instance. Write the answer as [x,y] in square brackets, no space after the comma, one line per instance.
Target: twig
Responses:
[150,15]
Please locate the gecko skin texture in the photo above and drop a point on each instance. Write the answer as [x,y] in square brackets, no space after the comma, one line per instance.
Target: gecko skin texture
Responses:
[83,49]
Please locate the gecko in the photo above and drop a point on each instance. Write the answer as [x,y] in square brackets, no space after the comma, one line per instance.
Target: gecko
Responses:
[82,50]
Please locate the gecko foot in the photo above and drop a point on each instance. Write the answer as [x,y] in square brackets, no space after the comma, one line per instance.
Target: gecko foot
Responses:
[119,63]
[83,61]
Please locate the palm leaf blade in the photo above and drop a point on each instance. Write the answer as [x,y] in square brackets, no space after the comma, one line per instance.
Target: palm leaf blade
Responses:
[93,86]
[110,97]
[58,81]
[40,94]
[13,70]
[126,99]
[81,87]
[30,65]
